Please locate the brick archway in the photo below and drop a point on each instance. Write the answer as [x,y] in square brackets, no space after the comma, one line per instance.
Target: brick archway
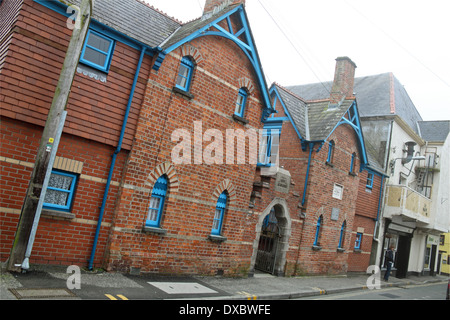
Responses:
[225,185]
[284,221]
[168,169]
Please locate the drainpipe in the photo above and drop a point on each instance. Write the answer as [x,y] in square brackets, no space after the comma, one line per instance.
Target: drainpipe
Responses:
[380,200]
[114,156]
[311,147]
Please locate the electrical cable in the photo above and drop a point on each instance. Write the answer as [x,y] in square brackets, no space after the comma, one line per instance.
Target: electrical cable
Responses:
[293,45]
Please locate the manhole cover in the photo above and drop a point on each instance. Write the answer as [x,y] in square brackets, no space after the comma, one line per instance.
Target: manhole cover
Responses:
[181,287]
[42,293]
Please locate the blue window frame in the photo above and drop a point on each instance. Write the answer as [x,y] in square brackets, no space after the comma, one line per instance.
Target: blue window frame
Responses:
[97,51]
[330,151]
[342,235]
[185,74]
[369,182]
[157,199]
[358,240]
[241,102]
[352,164]
[60,191]
[269,146]
[319,226]
[219,214]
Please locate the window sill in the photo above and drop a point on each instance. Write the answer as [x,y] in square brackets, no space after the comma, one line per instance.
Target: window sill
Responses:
[57,214]
[154,230]
[316,248]
[92,72]
[340,250]
[240,119]
[217,238]
[329,164]
[184,94]
[352,174]
[357,250]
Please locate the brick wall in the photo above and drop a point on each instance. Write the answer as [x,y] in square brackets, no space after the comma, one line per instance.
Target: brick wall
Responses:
[357,207]
[30,73]
[37,40]
[60,239]
[193,188]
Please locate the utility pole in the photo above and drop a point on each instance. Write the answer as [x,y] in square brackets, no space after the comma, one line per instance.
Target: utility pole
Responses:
[55,116]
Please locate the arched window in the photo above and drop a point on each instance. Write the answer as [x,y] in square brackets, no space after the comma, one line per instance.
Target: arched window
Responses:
[342,235]
[185,74]
[241,102]
[319,227]
[156,207]
[219,214]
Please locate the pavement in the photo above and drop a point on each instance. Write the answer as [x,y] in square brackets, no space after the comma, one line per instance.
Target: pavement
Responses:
[54,282]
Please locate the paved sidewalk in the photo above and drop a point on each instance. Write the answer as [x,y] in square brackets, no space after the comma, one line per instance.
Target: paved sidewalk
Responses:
[264,286]
[46,282]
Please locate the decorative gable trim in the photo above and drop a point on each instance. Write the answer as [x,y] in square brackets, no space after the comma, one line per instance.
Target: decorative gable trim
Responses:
[242,38]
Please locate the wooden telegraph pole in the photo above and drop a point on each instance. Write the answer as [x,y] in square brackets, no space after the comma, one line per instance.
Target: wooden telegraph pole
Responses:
[55,117]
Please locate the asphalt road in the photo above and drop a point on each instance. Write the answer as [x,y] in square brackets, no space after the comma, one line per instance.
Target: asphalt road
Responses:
[432,291]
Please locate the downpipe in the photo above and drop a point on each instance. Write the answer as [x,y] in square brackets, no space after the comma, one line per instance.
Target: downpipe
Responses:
[113,160]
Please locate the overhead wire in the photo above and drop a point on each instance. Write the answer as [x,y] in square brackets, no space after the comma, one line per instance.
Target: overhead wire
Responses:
[308,64]
[397,43]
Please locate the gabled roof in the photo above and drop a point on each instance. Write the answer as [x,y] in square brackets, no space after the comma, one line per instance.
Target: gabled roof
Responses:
[435,131]
[377,95]
[190,27]
[313,119]
[134,19]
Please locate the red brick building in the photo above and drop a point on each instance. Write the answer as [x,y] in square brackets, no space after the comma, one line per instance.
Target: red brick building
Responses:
[116,199]
[34,44]
[326,217]
[157,170]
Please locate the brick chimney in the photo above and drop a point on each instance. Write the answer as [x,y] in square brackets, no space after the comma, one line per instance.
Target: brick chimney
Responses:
[344,79]
[218,5]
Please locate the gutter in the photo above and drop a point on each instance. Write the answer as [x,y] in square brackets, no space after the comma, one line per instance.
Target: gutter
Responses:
[114,156]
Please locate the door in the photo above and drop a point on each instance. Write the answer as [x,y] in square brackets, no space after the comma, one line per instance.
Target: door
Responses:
[433,260]
[402,257]
[268,244]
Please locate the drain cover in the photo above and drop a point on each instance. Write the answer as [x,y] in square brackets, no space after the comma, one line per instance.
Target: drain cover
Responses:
[42,293]
[182,287]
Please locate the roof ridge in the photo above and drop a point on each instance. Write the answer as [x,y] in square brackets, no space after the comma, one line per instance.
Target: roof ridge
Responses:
[159,11]
[290,92]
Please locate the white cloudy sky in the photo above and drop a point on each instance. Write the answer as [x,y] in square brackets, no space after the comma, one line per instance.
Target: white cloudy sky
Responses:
[410,38]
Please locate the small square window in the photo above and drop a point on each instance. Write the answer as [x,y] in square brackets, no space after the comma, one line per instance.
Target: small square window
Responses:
[60,191]
[97,51]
